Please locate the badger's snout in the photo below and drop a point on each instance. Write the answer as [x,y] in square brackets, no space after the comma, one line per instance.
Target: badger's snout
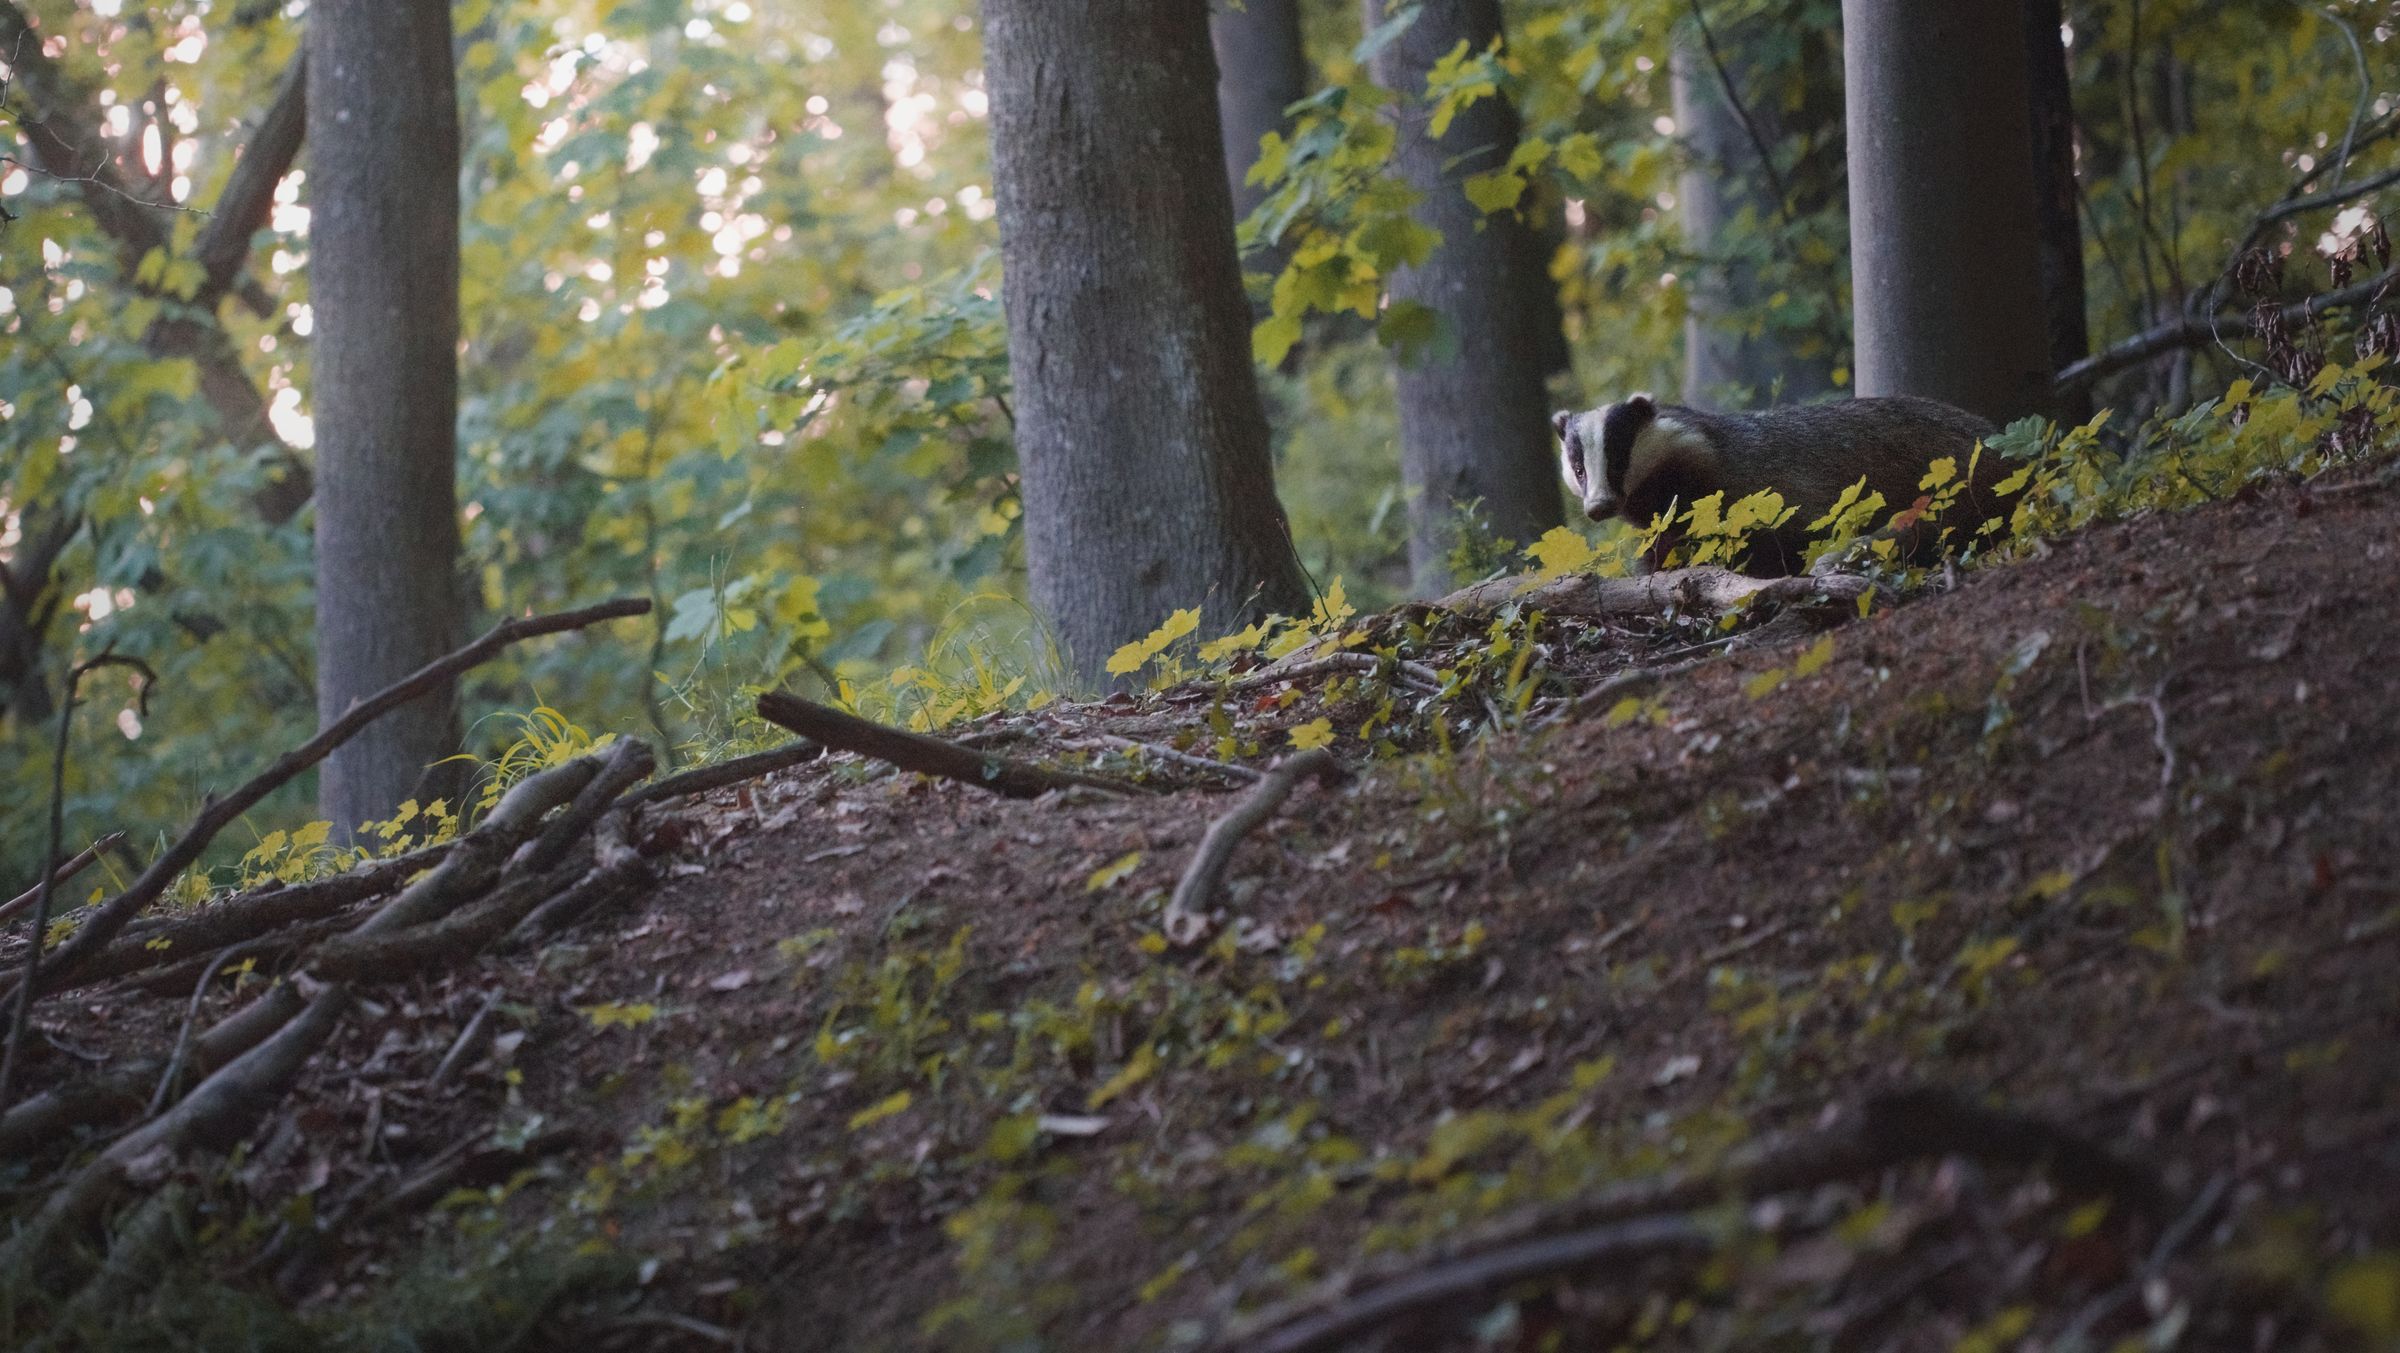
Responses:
[1600,508]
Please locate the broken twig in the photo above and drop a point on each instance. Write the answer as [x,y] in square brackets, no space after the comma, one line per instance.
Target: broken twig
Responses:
[65,873]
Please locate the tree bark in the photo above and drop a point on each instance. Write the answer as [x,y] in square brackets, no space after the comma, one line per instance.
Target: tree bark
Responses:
[1142,441]
[1944,244]
[1262,69]
[1474,412]
[2055,199]
[1721,179]
[383,154]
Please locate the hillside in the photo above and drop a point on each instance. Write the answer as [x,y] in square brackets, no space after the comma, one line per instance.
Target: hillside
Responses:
[2102,840]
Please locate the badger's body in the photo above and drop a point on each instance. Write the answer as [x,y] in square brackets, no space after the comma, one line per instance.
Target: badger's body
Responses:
[1636,458]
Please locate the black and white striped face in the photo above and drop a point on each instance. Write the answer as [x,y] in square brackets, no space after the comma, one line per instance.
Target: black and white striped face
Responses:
[1606,450]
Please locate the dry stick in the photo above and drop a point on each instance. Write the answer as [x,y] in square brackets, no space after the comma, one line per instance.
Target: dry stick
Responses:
[629,763]
[65,874]
[51,869]
[617,868]
[1186,919]
[2188,332]
[1894,1128]
[191,1019]
[1415,674]
[725,773]
[926,755]
[1172,757]
[469,1042]
[113,915]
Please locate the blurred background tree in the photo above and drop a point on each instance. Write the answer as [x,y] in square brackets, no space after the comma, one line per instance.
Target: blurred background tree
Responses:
[730,334]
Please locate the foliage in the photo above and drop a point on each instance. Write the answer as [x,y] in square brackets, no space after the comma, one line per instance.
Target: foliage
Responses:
[733,337]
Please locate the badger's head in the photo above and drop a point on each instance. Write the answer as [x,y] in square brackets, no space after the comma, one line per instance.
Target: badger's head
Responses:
[1606,453]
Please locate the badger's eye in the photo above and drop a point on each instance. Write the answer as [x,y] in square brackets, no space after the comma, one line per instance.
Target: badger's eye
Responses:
[1583,477]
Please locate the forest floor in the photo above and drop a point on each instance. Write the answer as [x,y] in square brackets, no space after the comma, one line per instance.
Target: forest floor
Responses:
[2105,838]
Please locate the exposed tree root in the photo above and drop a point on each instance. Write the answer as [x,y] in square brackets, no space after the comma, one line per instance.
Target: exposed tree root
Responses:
[1654,1216]
[927,755]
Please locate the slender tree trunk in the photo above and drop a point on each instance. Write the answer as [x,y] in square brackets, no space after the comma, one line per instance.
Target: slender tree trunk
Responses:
[1261,70]
[1944,246]
[1147,482]
[383,154]
[1474,421]
[2055,200]
[1722,178]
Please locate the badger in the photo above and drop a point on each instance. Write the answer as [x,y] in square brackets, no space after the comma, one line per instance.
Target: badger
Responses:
[1637,458]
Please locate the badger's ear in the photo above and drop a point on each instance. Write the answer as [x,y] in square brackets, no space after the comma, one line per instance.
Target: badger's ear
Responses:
[1559,421]
[1645,404]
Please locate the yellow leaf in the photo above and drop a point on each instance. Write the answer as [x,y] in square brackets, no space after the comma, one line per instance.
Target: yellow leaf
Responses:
[1314,733]
[1562,550]
[1111,873]
[1761,685]
[882,1109]
[1135,1071]
[616,1013]
[1814,660]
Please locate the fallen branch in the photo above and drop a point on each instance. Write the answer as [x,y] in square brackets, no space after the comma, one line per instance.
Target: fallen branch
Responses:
[43,1120]
[628,763]
[81,861]
[226,1107]
[724,773]
[1186,918]
[1414,674]
[112,916]
[1895,1128]
[926,755]
[248,916]
[617,870]
[1705,590]
[2200,331]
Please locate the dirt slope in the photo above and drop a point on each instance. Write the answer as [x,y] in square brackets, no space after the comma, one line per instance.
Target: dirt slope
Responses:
[2106,837]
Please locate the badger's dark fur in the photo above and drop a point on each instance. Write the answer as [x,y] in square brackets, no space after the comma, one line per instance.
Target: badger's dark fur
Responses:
[1635,458]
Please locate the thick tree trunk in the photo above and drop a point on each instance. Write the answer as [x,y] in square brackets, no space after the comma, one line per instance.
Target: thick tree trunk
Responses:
[1147,482]
[1261,70]
[1722,178]
[383,277]
[1474,420]
[2055,200]
[1944,245]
